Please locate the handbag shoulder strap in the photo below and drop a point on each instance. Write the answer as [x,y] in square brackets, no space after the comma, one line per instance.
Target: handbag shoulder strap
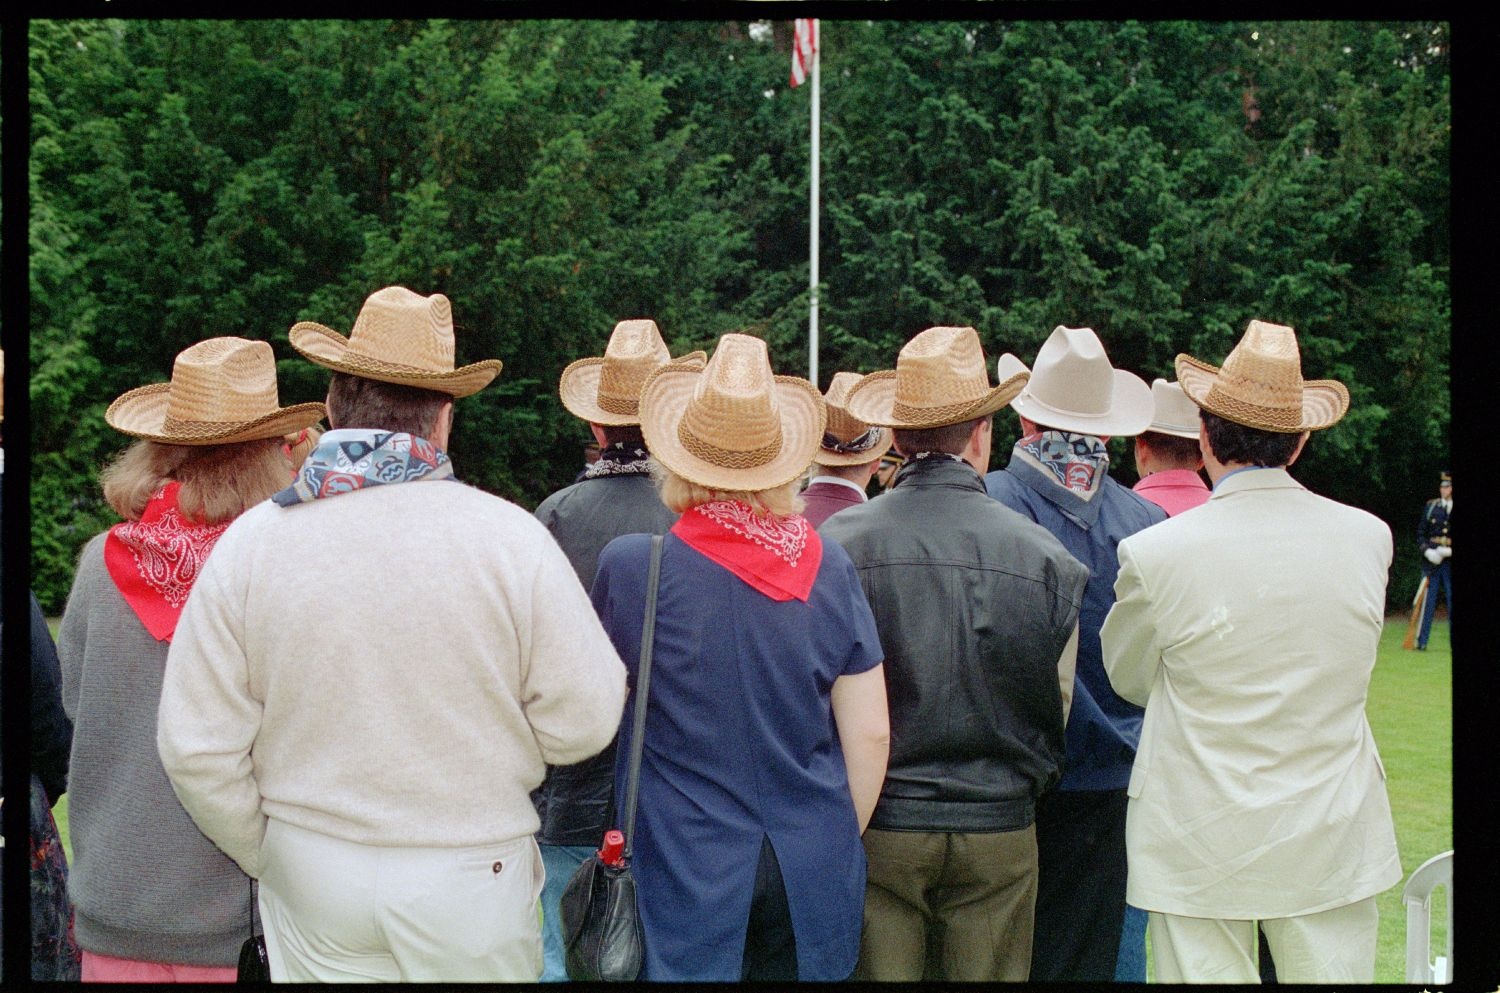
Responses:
[642,687]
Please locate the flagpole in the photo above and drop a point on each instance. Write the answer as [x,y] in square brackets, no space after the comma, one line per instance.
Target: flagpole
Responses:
[812,315]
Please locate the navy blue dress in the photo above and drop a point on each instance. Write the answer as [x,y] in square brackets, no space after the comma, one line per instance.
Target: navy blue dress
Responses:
[740,745]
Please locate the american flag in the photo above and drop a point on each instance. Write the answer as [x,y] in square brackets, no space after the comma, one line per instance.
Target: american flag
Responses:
[804,44]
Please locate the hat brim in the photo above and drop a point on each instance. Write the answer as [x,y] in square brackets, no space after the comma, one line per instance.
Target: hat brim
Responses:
[664,402]
[142,413]
[326,347]
[1130,406]
[883,443]
[1324,401]
[578,388]
[873,400]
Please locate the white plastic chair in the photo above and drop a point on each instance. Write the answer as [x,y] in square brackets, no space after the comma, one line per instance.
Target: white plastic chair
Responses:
[1421,966]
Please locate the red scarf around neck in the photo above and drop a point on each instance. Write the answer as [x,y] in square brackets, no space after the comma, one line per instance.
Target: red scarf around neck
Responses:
[779,556]
[155,561]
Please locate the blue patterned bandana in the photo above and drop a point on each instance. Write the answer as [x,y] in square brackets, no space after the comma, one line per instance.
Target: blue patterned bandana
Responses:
[349,459]
[1077,461]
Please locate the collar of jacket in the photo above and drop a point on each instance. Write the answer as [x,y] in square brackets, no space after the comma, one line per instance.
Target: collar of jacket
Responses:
[1084,513]
[938,472]
[1264,478]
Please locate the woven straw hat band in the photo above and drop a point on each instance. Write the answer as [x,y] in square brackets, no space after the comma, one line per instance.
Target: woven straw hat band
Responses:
[936,377]
[1277,418]
[382,332]
[221,381]
[730,404]
[635,351]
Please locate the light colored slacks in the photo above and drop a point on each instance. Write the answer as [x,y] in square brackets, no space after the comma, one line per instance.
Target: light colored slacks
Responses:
[336,911]
[1332,946]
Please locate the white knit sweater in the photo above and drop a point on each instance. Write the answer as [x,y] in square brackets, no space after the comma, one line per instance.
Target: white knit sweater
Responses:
[392,666]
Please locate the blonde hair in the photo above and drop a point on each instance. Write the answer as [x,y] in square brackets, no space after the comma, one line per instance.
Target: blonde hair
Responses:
[679,494]
[219,482]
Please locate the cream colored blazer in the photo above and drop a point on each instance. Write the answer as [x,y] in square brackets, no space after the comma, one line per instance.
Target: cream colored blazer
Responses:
[1247,627]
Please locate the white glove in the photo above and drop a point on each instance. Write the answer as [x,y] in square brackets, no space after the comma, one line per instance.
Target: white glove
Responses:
[1445,550]
[1433,555]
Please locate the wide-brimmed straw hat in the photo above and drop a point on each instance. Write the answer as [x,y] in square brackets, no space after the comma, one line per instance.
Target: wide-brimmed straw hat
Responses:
[607,390]
[1174,413]
[1074,388]
[399,337]
[847,440]
[1260,384]
[732,425]
[222,390]
[940,378]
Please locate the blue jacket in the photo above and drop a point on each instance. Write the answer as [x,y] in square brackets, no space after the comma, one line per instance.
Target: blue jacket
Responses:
[1102,728]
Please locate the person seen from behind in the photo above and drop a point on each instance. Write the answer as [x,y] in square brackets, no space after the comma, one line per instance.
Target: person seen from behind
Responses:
[156,900]
[766,733]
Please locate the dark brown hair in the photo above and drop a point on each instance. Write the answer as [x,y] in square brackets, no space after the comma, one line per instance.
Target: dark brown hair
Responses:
[950,438]
[1172,449]
[1231,442]
[356,402]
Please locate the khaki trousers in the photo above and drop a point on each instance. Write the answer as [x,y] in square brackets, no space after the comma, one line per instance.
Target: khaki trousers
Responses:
[1332,946]
[945,906]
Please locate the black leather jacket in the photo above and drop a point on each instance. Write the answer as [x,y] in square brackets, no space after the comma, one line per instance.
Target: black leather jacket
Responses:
[974,604]
[573,800]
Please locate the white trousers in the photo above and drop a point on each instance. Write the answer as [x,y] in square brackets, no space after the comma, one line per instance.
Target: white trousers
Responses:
[336,911]
[1332,946]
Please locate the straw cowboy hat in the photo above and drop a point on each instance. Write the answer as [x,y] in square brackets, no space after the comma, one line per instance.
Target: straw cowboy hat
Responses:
[1174,413]
[1261,384]
[607,390]
[732,425]
[940,378]
[399,337]
[222,390]
[847,440]
[1074,388]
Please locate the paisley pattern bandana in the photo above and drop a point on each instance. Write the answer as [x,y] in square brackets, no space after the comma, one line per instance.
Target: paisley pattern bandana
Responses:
[1077,461]
[920,461]
[155,561]
[779,556]
[349,459]
[620,459]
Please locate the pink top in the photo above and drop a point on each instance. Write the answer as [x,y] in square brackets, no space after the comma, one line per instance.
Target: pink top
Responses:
[1174,490]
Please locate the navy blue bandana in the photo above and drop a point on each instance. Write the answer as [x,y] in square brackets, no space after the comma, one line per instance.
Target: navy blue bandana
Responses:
[349,459]
[620,459]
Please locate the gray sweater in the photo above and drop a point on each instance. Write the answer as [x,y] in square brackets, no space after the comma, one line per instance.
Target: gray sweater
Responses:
[145,882]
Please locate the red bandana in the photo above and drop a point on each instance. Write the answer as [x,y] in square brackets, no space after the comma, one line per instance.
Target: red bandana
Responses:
[155,560]
[779,556]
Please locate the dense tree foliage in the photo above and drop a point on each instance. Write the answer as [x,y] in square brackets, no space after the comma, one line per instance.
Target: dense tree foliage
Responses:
[1161,182]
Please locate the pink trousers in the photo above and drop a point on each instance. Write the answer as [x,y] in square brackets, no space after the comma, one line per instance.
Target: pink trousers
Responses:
[108,969]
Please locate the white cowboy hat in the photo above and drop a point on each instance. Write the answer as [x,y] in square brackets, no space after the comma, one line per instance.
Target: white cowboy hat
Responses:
[1074,388]
[1173,413]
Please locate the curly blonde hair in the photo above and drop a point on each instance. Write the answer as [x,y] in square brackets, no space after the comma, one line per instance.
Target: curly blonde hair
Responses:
[679,494]
[218,482]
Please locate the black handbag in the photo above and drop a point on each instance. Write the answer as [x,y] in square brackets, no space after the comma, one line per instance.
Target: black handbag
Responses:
[601,924]
[255,964]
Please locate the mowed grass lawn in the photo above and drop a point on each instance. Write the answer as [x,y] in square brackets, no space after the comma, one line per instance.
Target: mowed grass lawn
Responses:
[1412,715]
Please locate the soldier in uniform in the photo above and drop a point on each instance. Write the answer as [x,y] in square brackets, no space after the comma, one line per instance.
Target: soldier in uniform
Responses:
[1435,537]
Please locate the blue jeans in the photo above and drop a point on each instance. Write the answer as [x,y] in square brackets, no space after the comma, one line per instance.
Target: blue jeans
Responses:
[560,861]
[1130,966]
[1439,577]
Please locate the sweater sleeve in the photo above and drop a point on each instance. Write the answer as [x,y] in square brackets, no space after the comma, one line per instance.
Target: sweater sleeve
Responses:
[208,718]
[573,687]
[1131,654]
